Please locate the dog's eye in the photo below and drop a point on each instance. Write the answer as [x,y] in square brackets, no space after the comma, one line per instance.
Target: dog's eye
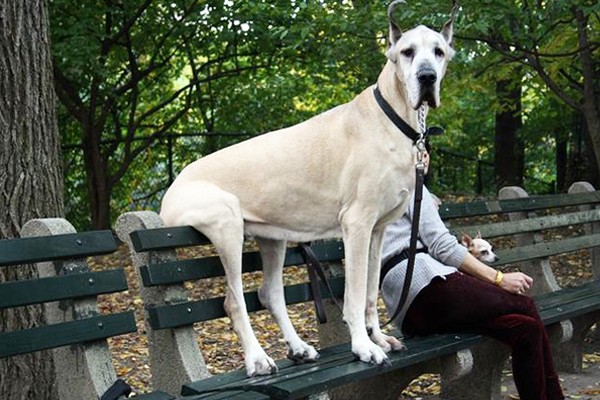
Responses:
[484,252]
[408,52]
[439,52]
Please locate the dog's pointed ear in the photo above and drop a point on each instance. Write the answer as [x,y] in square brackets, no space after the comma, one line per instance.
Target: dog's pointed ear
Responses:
[395,31]
[466,240]
[478,234]
[448,29]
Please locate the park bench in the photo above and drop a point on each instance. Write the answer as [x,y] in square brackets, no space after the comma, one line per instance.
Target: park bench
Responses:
[66,289]
[470,365]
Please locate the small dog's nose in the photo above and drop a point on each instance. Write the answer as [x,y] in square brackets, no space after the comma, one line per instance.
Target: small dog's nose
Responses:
[427,76]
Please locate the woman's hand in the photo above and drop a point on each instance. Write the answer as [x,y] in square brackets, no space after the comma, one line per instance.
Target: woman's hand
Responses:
[516,282]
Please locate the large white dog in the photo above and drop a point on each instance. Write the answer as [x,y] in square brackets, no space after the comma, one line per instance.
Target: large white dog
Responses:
[348,172]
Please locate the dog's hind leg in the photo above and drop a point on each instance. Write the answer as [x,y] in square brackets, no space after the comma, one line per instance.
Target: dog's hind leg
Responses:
[271,295]
[218,215]
[386,342]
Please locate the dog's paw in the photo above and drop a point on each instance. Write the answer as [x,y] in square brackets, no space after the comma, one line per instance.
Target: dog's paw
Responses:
[260,365]
[369,352]
[302,353]
[388,343]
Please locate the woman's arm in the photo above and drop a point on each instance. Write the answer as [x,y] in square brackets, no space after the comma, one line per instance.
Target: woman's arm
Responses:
[514,282]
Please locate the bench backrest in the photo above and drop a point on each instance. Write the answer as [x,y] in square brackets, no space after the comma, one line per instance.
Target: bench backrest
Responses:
[180,271]
[527,218]
[75,281]
[66,289]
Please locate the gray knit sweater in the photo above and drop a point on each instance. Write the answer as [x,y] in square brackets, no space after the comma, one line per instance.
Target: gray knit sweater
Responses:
[444,255]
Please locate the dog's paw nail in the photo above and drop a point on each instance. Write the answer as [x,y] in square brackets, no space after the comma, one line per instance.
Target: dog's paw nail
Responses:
[293,356]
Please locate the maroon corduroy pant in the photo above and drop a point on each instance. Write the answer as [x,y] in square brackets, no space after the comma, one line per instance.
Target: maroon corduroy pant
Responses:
[462,303]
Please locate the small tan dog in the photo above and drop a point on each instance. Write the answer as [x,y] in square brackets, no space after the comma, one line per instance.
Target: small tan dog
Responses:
[348,172]
[479,248]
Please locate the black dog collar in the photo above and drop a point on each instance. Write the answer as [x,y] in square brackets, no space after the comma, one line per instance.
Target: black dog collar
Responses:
[401,124]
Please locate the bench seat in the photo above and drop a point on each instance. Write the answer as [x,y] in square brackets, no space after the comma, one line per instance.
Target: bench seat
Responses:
[337,366]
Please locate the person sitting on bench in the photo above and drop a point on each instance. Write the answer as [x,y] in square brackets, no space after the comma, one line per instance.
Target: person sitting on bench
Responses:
[452,291]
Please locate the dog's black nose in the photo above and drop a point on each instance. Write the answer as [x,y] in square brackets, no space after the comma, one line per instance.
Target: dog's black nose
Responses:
[427,76]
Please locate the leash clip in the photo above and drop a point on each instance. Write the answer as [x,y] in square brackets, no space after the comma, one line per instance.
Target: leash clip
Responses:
[420,143]
[421,151]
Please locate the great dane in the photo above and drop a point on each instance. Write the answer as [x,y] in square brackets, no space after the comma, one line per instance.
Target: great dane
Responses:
[348,172]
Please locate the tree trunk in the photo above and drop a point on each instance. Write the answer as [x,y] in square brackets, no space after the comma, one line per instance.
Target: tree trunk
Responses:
[31,180]
[561,162]
[508,152]
[591,101]
[96,166]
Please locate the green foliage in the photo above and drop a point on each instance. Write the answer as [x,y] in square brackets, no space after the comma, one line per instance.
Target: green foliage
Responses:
[249,67]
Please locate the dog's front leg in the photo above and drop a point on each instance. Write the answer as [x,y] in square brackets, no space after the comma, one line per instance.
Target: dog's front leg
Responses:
[272,297]
[357,232]
[386,342]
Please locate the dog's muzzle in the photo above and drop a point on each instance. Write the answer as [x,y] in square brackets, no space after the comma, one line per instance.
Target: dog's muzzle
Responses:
[427,78]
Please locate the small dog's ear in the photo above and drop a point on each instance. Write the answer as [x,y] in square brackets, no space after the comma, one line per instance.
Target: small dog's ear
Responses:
[478,234]
[466,240]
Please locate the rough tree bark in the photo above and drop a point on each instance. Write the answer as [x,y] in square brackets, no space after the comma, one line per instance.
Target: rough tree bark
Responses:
[31,181]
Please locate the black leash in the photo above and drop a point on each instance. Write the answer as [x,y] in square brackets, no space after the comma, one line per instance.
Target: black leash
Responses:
[118,389]
[412,250]
[419,140]
[316,271]
[395,260]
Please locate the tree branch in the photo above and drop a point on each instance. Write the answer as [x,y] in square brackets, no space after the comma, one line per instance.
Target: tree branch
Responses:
[535,63]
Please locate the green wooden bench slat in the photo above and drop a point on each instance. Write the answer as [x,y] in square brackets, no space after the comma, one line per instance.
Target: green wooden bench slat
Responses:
[223,381]
[179,271]
[533,203]
[76,285]
[156,395]
[50,248]
[531,224]
[233,394]
[180,314]
[571,310]
[67,333]
[210,267]
[569,302]
[166,238]
[568,294]
[546,249]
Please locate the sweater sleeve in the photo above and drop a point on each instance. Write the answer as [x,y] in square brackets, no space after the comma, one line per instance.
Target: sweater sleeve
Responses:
[442,245]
